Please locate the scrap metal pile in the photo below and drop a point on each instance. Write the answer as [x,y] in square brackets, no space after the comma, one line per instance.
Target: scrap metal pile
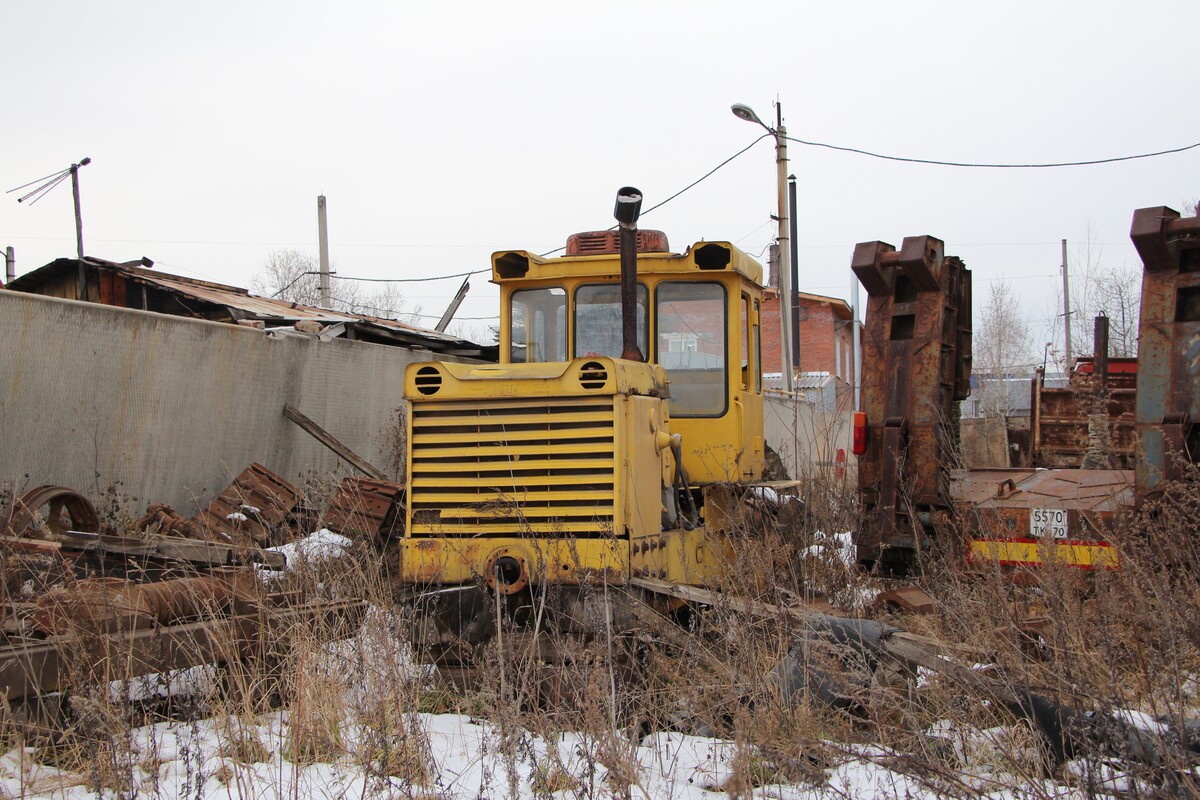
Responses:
[81,605]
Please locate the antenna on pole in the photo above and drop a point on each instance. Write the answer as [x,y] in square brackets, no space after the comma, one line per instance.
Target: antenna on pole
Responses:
[44,185]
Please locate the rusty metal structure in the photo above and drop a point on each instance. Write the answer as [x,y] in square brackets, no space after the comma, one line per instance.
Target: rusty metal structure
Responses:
[917,348]
[1090,422]
[1168,400]
[1067,516]
[365,507]
[1030,517]
[82,606]
[1059,423]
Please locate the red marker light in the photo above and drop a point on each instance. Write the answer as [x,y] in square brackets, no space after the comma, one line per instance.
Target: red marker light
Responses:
[860,433]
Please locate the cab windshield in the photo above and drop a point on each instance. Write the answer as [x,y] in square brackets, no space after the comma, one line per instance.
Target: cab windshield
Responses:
[538,319]
[598,320]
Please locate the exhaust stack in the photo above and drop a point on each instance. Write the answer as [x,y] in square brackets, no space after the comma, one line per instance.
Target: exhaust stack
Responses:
[628,208]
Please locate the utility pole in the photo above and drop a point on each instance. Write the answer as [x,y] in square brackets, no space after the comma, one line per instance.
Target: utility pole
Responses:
[1066,304]
[10,264]
[46,184]
[323,248]
[785,252]
[444,322]
[78,213]
[744,112]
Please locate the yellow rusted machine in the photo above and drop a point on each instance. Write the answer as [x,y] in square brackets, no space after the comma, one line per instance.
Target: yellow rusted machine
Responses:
[625,411]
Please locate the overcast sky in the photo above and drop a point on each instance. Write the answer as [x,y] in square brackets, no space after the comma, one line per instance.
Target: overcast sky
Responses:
[441,132]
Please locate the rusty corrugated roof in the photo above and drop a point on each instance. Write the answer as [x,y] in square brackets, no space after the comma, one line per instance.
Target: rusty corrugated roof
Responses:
[242,305]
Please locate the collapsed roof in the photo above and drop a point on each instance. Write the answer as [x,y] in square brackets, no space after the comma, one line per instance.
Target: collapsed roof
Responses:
[134,285]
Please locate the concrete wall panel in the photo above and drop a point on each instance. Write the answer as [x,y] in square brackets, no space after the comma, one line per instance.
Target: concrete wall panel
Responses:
[167,409]
[807,440]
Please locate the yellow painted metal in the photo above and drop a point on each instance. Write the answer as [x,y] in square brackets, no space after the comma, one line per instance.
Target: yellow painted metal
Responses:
[725,447]
[1024,552]
[540,269]
[526,463]
[551,560]
[529,384]
[681,556]
[551,465]
[564,467]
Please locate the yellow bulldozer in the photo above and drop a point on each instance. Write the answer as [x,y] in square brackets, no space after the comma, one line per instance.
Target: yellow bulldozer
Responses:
[611,443]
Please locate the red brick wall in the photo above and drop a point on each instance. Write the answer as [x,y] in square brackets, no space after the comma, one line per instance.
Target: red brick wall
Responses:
[818,329]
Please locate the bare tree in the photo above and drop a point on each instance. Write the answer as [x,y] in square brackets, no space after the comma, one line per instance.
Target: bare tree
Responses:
[1003,359]
[1118,295]
[291,275]
[1099,288]
[288,275]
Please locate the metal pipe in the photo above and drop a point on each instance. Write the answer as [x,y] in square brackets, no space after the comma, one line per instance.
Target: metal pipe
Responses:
[1066,304]
[1100,355]
[795,256]
[856,315]
[628,208]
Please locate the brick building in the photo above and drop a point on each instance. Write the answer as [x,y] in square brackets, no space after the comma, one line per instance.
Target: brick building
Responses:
[826,338]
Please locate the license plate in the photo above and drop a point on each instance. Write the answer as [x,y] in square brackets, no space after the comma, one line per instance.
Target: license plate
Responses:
[1048,522]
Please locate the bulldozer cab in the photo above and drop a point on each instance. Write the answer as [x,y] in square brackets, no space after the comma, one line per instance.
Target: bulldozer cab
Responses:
[697,316]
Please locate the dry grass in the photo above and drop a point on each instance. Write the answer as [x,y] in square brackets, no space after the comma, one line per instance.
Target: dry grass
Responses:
[1110,641]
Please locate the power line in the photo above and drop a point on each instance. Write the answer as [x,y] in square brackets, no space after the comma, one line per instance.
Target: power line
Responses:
[457,319]
[976,165]
[684,189]
[705,175]
[405,280]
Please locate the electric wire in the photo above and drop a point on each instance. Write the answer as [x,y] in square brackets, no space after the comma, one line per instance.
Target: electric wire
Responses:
[684,189]
[978,165]
[405,280]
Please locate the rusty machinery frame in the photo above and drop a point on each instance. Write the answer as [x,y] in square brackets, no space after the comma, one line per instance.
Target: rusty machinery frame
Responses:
[1168,397]
[918,348]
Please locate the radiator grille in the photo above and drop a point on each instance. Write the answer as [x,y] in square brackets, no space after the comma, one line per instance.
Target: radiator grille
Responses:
[542,467]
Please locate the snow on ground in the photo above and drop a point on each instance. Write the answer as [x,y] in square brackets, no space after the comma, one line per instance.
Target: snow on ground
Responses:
[465,758]
[320,545]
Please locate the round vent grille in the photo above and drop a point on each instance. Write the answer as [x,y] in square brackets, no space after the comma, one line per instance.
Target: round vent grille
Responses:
[428,380]
[593,375]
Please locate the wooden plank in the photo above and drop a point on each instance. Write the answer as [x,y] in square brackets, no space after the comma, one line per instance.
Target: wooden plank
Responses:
[708,597]
[168,547]
[326,438]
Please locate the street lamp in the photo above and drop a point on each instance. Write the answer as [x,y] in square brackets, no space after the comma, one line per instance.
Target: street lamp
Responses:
[745,112]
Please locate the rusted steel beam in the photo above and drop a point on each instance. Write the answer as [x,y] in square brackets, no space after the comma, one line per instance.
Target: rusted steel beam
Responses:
[171,548]
[1168,397]
[63,662]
